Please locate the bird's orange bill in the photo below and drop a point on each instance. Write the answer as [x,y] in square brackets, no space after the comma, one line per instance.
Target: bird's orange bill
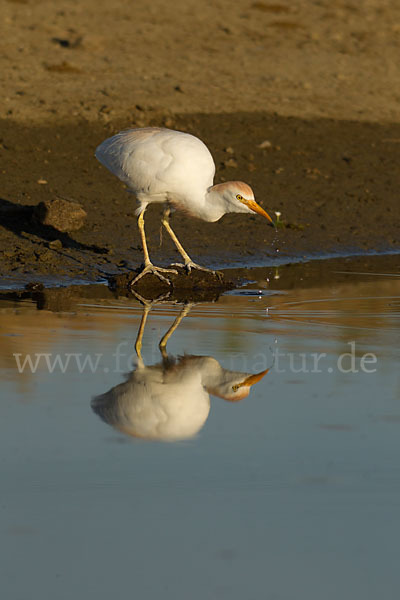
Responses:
[257,208]
[252,379]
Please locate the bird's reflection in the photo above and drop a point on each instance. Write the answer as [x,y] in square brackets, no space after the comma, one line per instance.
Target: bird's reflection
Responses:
[170,401]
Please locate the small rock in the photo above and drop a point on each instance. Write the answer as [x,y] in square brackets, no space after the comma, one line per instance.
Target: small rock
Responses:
[231,162]
[62,214]
[265,144]
[55,244]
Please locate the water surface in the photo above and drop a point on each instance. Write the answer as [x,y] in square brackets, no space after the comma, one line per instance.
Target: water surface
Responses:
[290,492]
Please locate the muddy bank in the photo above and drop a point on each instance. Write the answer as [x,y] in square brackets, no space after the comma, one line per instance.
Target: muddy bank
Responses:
[335,183]
[256,281]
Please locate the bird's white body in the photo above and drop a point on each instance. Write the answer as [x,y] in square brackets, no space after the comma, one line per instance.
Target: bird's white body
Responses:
[160,165]
[175,169]
[165,166]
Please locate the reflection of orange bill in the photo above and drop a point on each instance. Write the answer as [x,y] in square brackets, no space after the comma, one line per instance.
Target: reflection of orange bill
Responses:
[252,379]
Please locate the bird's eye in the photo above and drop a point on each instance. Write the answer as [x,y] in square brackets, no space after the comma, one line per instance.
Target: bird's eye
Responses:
[239,197]
[236,387]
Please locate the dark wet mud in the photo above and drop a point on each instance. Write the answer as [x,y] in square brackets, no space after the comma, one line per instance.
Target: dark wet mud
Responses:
[335,184]
[194,286]
[313,274]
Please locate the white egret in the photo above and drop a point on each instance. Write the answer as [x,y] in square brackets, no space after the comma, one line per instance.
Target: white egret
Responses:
[170,401]
[175,169]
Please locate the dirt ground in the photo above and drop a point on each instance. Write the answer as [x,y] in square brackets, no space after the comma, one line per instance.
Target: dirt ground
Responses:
[299,99]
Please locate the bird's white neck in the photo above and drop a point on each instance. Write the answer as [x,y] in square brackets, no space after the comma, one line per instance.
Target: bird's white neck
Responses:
[212,206]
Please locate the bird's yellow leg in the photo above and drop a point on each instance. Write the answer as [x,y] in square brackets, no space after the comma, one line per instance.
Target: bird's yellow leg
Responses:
[148,265]
[144,241]
[180,248]
[189,264]
[163,343]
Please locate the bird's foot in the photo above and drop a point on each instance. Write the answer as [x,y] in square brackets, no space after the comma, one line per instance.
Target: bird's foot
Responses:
[189,265]
[150,268]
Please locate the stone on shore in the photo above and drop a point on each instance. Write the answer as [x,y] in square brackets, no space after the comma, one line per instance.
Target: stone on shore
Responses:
[62,214]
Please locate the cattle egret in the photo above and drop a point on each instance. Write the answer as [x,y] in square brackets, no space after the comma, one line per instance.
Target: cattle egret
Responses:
[170,401]
[177,170]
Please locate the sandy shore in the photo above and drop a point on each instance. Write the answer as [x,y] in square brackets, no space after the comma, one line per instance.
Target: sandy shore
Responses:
[99,60]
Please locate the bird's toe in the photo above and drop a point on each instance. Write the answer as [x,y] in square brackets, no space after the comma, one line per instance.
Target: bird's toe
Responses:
[192,265]
[157,271]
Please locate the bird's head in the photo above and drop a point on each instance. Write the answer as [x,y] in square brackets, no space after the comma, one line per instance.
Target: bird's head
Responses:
[239,197]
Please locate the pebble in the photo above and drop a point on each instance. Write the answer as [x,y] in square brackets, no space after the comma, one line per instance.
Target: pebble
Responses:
[60,213]
[265,144]
[231,162]
[55,244]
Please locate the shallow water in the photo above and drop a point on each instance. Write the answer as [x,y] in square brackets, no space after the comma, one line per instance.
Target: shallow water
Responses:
[116,484]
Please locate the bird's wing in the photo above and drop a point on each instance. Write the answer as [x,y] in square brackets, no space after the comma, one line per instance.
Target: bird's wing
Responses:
[158,161]
[117,153]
